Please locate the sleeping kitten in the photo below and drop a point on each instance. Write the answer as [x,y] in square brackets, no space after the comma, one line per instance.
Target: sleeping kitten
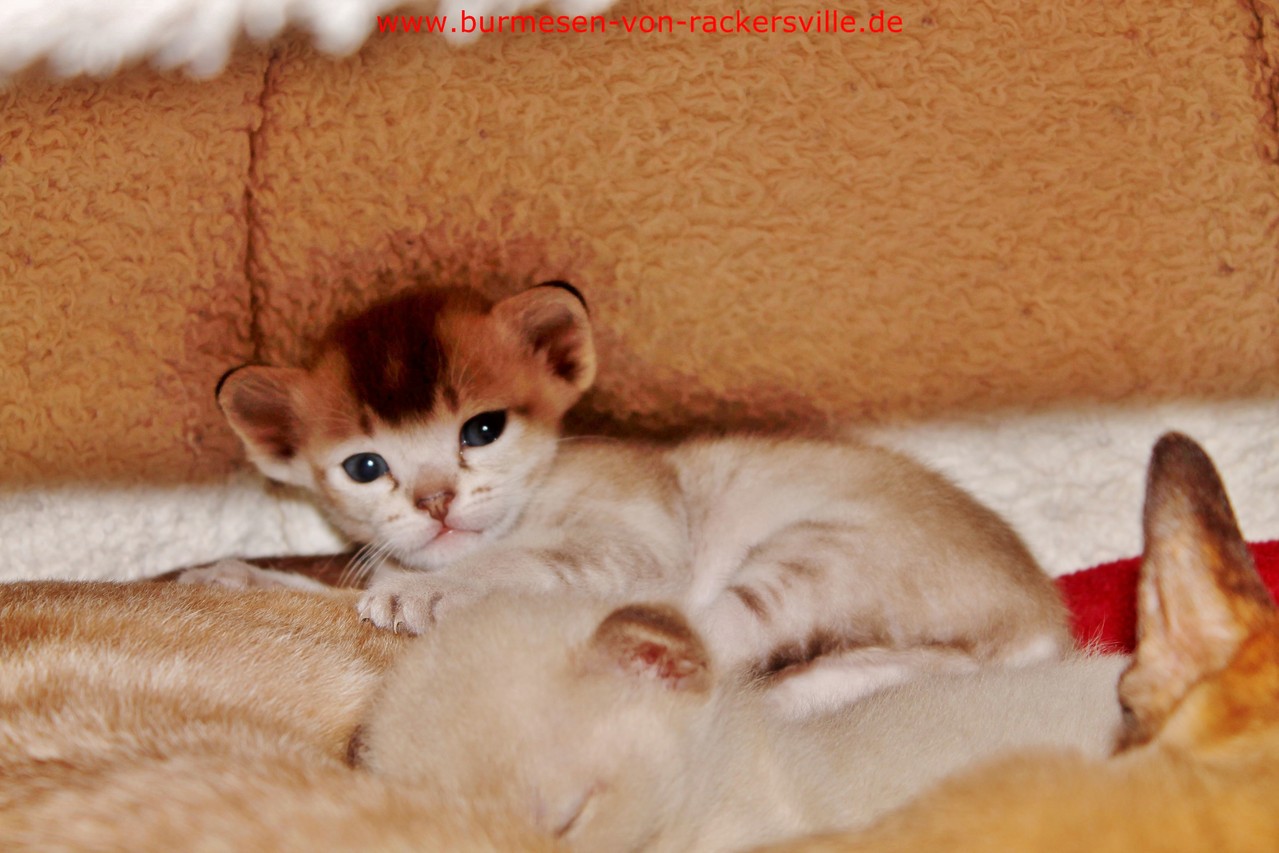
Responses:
[617,731]
[428,427]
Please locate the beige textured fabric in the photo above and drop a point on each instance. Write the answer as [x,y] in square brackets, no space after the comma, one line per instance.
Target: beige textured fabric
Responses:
[1007,203]
[122,297]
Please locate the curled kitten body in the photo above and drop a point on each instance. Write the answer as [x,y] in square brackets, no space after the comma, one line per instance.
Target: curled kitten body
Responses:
[428,427]
[615,729]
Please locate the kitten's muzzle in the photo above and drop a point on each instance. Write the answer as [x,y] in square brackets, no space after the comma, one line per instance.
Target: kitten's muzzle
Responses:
[436,505]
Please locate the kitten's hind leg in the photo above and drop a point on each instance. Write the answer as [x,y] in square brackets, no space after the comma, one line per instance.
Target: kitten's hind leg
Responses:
[237,574]
[834,680]
[789,596]
[885,606]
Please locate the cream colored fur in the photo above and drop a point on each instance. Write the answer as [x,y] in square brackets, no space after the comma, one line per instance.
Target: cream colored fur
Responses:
[615,730]
[167,717]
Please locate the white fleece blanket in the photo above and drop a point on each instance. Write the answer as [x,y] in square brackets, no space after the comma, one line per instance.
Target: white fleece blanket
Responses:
[1070,481]
[97,37]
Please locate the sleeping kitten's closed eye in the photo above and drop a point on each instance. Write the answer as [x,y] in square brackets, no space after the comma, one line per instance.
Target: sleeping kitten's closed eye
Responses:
[560,816]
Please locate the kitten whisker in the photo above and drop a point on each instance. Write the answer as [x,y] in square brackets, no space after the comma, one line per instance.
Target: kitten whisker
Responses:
[364,563]
[352,565]
[380,559]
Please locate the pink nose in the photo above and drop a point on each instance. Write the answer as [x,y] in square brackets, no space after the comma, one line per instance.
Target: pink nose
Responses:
[436,505]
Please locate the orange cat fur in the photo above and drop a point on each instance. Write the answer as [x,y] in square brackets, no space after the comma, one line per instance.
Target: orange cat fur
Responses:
[158,716]
[1198,769]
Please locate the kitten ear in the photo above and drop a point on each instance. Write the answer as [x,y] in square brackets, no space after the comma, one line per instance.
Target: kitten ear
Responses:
[262,406]
[551,318]
[654,641]
[1199,596]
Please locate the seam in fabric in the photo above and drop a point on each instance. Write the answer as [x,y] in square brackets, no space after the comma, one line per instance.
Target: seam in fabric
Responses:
[257,287]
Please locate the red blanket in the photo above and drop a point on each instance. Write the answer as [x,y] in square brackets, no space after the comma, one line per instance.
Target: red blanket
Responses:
[1103,599]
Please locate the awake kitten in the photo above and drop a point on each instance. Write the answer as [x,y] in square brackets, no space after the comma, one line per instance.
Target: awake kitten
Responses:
[428,427]
[616,730]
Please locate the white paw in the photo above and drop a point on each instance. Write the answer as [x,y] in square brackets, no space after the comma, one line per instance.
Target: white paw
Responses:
[237,574]
[410,603]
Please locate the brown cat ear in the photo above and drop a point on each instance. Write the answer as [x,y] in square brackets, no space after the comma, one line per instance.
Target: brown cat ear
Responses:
[552,320]
[262,406]
[654,641]
[1199,596]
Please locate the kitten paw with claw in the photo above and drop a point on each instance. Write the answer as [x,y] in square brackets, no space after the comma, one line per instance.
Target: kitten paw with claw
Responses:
[411,603]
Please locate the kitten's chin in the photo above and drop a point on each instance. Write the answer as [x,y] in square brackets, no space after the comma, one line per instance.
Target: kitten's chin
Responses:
[444,548]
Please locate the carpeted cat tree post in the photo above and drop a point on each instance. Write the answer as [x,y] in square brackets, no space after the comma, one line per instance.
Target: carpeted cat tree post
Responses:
[1017,239]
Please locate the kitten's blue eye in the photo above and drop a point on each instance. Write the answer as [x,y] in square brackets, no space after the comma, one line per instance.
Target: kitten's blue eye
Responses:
[365,467]
[483,429]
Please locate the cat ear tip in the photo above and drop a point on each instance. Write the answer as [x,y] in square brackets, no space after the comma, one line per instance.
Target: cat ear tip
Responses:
[1181,472]
[1179,449]
[226,375]
[561,284]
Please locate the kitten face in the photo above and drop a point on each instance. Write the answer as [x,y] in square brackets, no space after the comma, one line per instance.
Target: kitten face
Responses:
[426,494]
[426,422]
